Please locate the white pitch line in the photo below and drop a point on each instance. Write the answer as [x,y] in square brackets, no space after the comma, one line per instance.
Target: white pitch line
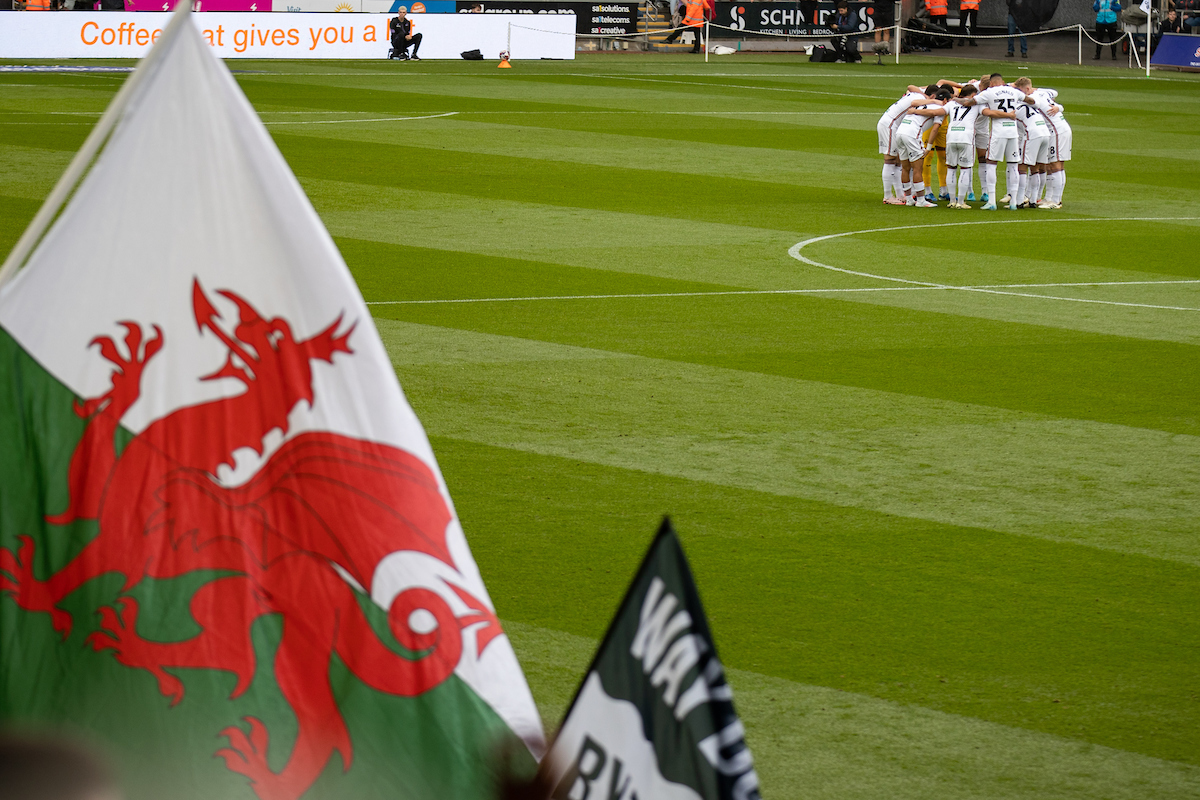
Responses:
[728,293]
[794,252]
[910,285]
[353,121]
[754,88]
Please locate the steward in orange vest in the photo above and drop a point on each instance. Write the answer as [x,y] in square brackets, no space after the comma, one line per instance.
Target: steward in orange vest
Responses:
[968,16]
[936,9]
[693,18]
[37,5]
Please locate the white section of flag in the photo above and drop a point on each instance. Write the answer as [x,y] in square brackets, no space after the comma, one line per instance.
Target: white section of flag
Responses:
[191,186]
[616,725]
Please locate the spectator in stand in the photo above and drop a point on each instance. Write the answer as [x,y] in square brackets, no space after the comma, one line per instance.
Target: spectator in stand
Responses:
[1190,18]
[1106,25]
[885,18]
[845,22]
[937,10]
[968,17]
[1016,15]
[1172,24]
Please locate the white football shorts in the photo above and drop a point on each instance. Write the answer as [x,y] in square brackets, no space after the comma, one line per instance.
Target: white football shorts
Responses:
[909,147]
[960,154]
[1062,147]
[887,136]
[1036,151]
[1003,150]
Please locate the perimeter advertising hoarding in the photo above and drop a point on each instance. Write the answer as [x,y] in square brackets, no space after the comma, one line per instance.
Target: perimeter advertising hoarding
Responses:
[591,19]
[124,34]
[1177,50]
[206,5]
[808,18]
[368,6]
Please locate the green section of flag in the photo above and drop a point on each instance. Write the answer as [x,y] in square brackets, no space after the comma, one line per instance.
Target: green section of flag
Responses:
[435,745]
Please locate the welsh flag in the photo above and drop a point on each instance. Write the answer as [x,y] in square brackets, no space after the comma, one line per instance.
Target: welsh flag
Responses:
[654,718]
[226,549]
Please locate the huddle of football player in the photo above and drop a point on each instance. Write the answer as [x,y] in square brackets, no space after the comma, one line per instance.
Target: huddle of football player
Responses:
[985,121]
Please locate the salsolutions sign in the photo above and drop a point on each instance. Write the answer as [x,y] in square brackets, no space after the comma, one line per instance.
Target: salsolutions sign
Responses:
[592,19]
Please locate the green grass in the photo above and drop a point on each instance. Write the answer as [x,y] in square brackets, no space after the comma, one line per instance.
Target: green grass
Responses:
[949,540]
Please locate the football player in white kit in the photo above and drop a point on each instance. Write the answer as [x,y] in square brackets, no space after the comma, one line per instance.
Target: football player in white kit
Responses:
[893,192]
[1034,140]
[1060,150]
[1002,101]
[960,145]
[911,150]
[983,132]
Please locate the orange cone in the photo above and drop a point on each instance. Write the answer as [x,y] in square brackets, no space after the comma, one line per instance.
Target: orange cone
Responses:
[504,65]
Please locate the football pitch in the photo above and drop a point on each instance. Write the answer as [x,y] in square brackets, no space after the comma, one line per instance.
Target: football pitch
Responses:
[937,471]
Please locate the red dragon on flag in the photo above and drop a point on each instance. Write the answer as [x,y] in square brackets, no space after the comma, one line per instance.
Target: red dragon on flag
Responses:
[300,539]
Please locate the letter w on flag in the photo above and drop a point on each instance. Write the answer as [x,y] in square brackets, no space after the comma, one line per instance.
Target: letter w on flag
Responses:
[654,718]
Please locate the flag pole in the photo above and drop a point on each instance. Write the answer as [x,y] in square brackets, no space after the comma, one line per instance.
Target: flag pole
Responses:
[896,38]
[83,159]
[1148,7]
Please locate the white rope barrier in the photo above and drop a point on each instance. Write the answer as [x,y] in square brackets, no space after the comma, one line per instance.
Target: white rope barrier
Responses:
[954,34]
[896,29]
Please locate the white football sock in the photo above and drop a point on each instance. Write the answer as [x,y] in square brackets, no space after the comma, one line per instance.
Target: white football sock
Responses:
[1011,180]
[1022,186]
[897,184]
[1052,186]
[987,181]
[964,183]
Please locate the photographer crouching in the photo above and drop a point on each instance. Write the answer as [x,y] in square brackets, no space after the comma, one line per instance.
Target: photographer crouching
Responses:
[845,40]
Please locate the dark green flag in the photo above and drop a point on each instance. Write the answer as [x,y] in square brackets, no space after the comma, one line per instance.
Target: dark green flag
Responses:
[654,717]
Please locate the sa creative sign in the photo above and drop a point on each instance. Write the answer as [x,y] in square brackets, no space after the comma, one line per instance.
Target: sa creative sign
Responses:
[595,19]
[808,18]
[122,34]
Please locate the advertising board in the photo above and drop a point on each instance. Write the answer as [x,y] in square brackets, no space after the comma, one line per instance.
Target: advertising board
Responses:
[366,6]
[595,19]
[1177,50]
[805,18]
[124,34]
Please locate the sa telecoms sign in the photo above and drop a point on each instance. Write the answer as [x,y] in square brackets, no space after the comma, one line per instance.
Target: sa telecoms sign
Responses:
[117,34]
